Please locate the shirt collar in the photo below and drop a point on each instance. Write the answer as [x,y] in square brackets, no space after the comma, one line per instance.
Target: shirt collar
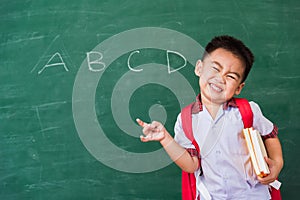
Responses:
[198,106]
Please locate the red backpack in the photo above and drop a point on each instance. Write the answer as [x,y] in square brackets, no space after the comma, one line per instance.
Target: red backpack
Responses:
[188,179]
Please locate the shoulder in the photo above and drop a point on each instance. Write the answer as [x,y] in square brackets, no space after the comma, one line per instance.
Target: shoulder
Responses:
[180,136]
[257,112]
[260,121]
[254,106]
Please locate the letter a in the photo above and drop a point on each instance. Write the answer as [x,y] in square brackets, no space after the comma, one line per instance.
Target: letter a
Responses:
[54,64]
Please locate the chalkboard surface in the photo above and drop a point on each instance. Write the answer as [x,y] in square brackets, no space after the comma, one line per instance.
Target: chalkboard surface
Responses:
[75,74]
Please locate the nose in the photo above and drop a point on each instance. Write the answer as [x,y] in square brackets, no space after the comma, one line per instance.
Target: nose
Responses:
[221,78]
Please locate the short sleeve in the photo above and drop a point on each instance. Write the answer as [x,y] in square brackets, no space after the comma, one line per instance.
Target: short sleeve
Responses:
[180,137]
[261,123]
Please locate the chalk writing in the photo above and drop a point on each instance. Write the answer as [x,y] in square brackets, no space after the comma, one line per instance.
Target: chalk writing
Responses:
[61,63]
[51,44]
[97,61]
[128,62]
[170,70]
[168,61]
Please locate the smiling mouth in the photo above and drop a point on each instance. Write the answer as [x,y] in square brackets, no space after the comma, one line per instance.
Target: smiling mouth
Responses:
[215,87]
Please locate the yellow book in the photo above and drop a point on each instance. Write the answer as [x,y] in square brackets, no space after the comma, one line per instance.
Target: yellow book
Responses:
[257,151]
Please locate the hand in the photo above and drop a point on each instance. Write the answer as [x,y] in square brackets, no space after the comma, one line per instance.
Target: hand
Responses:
[274,168]
[153,132]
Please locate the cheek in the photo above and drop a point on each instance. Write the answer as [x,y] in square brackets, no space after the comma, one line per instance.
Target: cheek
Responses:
[203,79]
[207,74]
[231,89]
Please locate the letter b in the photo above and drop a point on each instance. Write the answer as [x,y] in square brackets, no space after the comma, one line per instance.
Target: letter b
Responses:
[96,62]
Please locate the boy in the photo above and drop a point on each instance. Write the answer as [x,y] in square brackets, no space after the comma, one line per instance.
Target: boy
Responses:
[227,172]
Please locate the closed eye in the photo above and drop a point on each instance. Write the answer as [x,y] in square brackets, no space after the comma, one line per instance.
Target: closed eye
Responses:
[217,69]
[232,77]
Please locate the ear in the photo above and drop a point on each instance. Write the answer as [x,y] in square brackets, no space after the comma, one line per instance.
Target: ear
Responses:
[239,88]
[198,68]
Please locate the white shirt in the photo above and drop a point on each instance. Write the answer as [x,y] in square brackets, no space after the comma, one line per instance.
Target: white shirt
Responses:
[226,164]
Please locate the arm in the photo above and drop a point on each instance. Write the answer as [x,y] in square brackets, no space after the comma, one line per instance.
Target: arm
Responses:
[157,132]
[269,133]
[275,160]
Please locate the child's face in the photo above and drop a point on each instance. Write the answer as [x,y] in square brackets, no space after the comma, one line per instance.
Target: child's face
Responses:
[220,74]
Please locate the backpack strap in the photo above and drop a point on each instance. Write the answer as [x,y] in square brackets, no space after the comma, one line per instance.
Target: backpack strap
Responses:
[188,180]
[246,111]
[186,120]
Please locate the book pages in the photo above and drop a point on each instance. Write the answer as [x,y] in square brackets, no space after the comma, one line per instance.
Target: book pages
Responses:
[257,151]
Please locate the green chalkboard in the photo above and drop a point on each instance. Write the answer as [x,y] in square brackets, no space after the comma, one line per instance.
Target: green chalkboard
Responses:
[75,74]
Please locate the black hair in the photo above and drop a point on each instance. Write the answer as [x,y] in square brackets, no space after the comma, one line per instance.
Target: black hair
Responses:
[236,47]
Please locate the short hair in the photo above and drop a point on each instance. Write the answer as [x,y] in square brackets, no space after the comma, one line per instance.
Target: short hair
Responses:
[236,47]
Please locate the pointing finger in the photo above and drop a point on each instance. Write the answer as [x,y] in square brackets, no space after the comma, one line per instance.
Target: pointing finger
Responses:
[141,123]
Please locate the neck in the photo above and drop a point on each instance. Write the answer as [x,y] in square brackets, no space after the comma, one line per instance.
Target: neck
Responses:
[213,110]
[211,107]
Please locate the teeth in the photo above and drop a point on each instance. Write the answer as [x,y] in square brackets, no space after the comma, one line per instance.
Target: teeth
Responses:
[216,88]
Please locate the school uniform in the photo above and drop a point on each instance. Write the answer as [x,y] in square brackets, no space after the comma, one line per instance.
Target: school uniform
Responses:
[226,166]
